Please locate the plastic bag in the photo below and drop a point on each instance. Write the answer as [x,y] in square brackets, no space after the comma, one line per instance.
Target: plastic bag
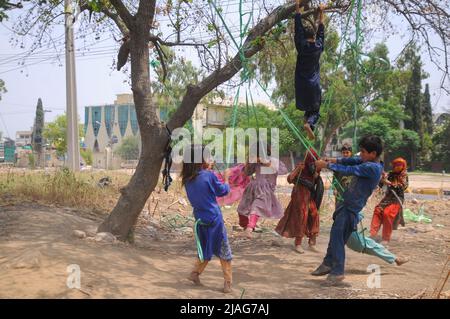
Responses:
[408,215]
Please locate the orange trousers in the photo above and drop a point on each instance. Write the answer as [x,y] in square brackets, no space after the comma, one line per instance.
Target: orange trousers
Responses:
[384,217]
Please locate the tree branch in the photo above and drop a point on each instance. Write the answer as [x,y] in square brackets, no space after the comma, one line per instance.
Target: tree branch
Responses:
[123,12]
[117,20]
[146,12]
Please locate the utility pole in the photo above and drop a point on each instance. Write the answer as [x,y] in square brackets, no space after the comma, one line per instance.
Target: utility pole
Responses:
[73,145]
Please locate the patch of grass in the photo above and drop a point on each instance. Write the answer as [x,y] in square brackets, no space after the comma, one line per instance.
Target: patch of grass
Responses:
[63,187]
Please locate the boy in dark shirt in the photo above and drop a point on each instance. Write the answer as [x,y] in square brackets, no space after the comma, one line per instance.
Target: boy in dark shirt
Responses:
[309,45]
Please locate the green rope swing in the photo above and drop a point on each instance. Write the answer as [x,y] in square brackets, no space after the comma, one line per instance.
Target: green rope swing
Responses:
[247,77]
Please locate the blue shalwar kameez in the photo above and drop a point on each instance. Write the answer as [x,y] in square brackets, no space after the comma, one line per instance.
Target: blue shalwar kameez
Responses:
[212,234]
[308,92]
[367,176]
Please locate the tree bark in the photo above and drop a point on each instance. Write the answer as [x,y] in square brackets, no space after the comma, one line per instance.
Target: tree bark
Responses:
[154,138]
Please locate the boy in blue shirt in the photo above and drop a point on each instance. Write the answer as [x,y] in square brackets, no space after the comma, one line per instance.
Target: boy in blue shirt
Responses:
[367,171]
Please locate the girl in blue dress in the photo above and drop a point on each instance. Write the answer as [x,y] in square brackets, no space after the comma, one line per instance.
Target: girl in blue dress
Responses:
[202,188]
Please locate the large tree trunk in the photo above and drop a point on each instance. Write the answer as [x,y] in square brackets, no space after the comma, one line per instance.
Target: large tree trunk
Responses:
[154,138]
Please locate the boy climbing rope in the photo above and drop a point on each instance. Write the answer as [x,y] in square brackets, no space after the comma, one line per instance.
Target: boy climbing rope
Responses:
[389,211]
[309,45]
[202,188]
[366,170]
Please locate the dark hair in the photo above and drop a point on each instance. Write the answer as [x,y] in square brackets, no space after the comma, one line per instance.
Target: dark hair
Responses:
[190,168]
[346,147]
[371,143]
[309,29]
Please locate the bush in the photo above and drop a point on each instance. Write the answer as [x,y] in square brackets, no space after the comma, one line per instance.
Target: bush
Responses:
[86,154]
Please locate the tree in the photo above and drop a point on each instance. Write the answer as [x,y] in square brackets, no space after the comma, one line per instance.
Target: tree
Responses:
[137,21]
[441,142]
[2,88]
[169,91]
[38,127]
[384,121]
[6,5]
[427,111]
[413,99]
[56,134]
[129,148]
[87,155]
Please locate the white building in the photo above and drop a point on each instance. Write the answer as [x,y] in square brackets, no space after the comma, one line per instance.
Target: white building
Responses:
[23,138]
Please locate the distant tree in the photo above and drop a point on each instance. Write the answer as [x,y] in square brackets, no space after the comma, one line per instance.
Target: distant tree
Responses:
[129,148]
[384,121]
[413,99]
[86,154]
[56,134]
[2,88]
[441,144]
[36,137]
[427,110]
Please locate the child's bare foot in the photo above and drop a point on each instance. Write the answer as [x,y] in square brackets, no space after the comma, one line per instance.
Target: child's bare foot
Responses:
[299,249]
[384,243]
[195,278]
[401,260]
[313,248]
[227,287]
[248,233]
[309,131]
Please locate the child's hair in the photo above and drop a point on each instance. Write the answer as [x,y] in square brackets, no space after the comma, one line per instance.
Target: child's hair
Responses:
[190,168]
[309,29]
[346,147]
[371,143]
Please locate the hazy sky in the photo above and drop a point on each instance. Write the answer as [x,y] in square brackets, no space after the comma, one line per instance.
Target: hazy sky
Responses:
[98,83]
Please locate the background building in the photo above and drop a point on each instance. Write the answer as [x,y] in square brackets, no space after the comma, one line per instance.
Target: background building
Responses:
[107,125]
[23,138]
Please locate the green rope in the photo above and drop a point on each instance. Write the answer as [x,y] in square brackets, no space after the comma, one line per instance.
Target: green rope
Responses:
[197,239]
[329,96]
[246,74]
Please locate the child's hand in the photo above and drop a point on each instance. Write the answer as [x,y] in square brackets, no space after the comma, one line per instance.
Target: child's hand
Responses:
[321,164]
[329,159]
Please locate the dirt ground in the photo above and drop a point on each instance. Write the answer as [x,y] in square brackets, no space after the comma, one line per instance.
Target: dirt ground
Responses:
[37,245]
